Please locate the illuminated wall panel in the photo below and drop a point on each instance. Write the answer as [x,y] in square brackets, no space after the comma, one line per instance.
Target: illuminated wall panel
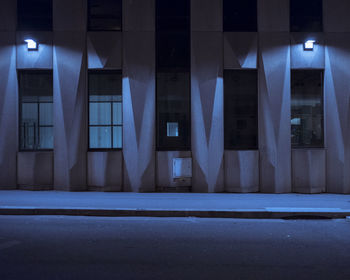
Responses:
[38,59]
[240,50]
[274,113]
[8,110]
[337,112]
[300,58]
[241,171]
[35,170]
[309,166]
[207,111]
[139,111]
[104,50]
[105,170]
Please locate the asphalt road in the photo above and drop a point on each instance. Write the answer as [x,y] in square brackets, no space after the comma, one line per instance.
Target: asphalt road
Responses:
[57,247]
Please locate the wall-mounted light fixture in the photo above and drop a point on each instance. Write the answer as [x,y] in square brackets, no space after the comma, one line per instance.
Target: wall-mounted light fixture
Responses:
[309,45]
[31,45]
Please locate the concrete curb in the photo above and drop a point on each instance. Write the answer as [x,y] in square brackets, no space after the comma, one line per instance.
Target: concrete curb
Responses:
[291,213]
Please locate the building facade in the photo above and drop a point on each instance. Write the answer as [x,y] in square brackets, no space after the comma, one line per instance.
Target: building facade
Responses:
[196,98]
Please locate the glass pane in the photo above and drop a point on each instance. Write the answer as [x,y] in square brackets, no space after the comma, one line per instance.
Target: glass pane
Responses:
[105,15]
[29,113]
[172,129]
[100,137]
[28,136]
[46,138]
[240,109]
[117,137]
[307,108]
[46,113]
[100,113]
[173,106]
[117,113]
[240,15]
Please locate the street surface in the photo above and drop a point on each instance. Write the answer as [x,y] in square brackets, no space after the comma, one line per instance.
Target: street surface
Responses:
[60,247]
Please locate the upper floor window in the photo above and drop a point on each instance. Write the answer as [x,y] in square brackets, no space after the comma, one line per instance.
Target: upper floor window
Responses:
[105,15]
[240,16]
[34,14]
[36,109]
[172,15]
[105,109]
[307,108]
[241,109]
[306,16]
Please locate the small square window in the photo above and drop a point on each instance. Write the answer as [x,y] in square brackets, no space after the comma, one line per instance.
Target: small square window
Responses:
[172,129]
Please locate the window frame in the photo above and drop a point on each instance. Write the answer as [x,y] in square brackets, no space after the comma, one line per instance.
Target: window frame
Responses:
[322,106]
[246,148]
[35,149]
[101,71]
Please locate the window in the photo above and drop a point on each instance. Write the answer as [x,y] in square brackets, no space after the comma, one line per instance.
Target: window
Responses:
[173,110]
[34,14]
[105,15]
[307,108]
[240,109]
[36,110]
[105,109]
[306,16]
[240,15]
[173,74]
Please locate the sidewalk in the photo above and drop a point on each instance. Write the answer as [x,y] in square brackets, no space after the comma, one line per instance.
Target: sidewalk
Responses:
[225,205]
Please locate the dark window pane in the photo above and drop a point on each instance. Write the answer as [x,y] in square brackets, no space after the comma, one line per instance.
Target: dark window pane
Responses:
[306,16]
[173,110]
[173,50]
[36,110]
[34,14]
[105,109]
[241,109]
[172,15]
[239,15]
[105,15]
[307,108]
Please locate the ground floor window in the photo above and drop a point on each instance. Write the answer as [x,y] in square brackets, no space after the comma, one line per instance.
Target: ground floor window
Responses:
[105,109]
[173,110]
[307,108]
[36,109]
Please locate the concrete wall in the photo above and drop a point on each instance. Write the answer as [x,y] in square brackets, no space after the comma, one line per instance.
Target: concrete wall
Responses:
[8,95]
[69,50]
[139,97]
[35,170]
[70,95]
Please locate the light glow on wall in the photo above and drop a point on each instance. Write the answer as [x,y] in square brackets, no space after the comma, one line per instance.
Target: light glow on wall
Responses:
[309,45]
[31,44]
